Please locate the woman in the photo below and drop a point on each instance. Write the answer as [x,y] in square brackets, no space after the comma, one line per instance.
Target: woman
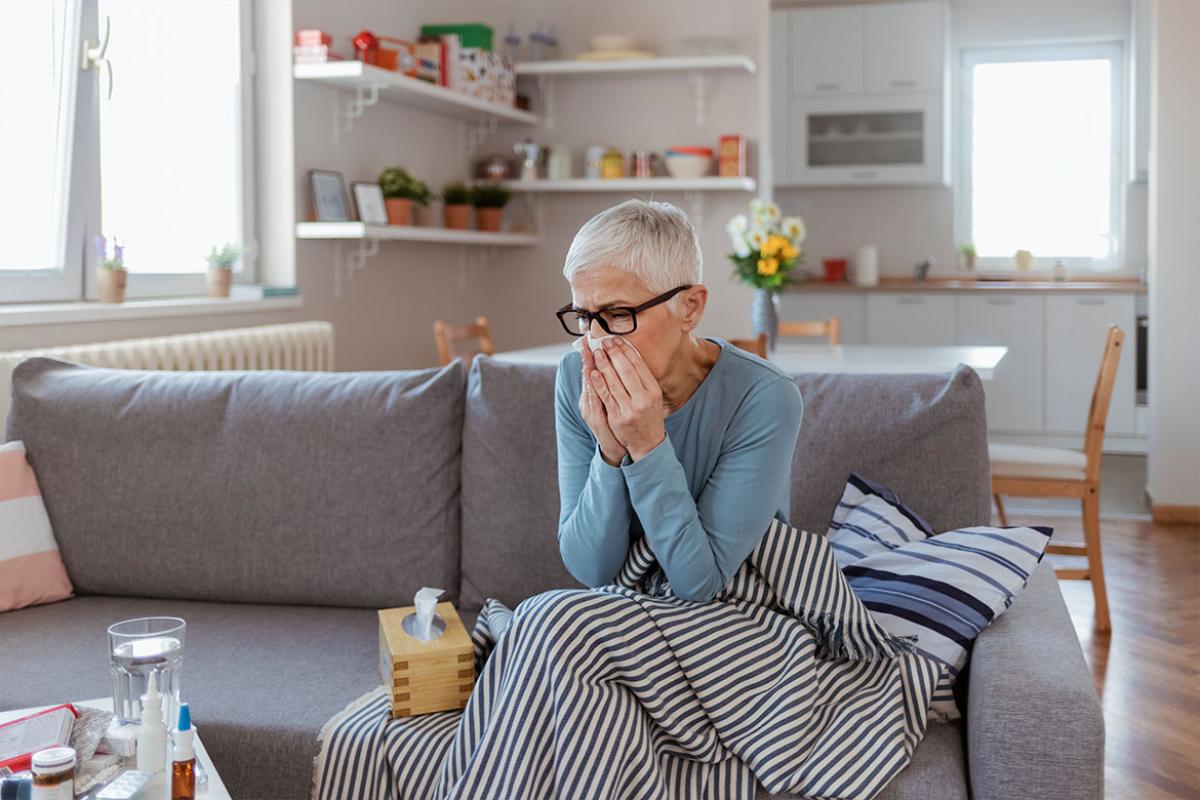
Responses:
[688,439]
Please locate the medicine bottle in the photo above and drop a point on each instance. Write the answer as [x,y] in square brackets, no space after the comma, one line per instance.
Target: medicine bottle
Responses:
[54,774]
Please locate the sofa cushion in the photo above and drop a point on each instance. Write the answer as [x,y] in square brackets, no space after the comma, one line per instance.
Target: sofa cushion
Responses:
[923,435]
[320,488]
[31,567]
[261,680]
[510,485]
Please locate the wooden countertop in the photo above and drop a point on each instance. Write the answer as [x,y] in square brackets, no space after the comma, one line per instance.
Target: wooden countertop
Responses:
[943,284]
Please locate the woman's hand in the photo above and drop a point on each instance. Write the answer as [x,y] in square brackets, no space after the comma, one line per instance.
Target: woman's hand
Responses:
[631,396]
[595,415]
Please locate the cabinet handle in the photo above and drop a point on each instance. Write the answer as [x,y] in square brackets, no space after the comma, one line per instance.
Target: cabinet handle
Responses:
[903,83]
[827,87]
[1089,301]
[863,174]
[911,301]
[1000,301]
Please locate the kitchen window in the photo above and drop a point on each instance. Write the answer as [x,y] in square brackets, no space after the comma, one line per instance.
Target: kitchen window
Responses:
[1041,155]
[164,163]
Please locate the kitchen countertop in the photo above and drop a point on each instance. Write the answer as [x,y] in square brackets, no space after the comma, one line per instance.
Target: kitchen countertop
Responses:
[941,284]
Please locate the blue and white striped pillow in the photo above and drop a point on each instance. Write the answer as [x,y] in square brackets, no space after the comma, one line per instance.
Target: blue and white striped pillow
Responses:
[942,588]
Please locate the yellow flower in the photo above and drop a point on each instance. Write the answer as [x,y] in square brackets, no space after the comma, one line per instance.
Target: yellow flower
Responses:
[775,243]
[789,252]
[768,266]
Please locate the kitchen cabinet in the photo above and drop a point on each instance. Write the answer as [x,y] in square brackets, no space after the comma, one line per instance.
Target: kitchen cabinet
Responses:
[1015,394]
[905,47]
[826,49]
[862,95]
[1075,329]
[875,140]
[849,307]
[911,318]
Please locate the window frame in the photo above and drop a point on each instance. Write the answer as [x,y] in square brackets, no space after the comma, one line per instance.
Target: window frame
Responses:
[1112,50]
[77,280]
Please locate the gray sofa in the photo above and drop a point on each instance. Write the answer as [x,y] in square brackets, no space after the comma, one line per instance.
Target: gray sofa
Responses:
[276,511]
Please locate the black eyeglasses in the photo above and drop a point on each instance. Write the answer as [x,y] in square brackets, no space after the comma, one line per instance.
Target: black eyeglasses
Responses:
[614,319]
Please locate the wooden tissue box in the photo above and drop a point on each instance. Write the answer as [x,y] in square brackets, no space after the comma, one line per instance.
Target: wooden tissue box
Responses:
[425,676]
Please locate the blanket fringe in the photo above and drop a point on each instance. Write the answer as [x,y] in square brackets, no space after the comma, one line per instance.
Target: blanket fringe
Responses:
[323,737]
[869,641]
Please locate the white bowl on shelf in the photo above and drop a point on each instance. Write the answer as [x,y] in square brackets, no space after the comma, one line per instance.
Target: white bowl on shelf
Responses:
[683,165]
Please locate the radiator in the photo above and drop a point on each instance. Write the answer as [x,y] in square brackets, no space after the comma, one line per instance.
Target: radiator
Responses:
[296,346]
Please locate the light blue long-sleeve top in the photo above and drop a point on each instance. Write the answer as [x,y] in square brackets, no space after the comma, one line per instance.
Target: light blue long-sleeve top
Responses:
[704,496]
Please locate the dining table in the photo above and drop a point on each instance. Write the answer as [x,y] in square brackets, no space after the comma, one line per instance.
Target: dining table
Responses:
[797,358]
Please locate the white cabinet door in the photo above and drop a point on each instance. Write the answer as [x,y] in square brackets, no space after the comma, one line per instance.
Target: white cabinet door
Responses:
[780,118]
[826,49]
[868,139]
[1076,326]
[1015,392]
[911,318]
[905,47]
[850,307]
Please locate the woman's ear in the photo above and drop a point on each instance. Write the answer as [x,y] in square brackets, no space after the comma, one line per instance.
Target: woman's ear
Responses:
[691,306]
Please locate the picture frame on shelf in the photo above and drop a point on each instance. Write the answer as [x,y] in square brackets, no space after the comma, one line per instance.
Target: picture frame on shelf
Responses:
[329,201]
[368,199]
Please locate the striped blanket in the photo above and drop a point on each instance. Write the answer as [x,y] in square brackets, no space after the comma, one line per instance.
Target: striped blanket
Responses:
[626,691]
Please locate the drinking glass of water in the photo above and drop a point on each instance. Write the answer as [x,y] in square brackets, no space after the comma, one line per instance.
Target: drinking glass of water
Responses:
[139,647]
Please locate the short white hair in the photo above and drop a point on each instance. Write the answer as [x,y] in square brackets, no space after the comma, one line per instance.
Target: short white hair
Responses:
[652,240]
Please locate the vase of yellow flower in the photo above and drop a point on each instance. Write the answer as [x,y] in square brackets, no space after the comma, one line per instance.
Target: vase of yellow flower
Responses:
[766,251]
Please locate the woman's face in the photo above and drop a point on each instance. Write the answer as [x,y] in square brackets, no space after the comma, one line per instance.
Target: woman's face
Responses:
[659,331]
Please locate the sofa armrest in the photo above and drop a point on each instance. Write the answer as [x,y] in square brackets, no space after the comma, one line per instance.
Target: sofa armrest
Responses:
[1035,728]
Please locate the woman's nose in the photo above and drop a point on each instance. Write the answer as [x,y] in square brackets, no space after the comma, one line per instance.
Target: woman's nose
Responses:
[595,330]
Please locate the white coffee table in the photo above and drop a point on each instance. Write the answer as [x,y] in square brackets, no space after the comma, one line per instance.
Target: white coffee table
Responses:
[215,789]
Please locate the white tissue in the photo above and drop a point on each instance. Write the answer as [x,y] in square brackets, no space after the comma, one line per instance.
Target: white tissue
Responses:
[598,342]
[426,601]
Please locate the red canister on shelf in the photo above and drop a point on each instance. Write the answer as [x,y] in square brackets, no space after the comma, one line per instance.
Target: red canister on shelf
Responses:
[835,270]
[366,47]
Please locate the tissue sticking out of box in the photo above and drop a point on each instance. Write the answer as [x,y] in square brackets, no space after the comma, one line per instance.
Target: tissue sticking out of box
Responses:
[422,625]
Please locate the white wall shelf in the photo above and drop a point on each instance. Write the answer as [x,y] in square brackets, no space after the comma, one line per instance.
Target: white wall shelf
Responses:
[643,65]
[411,233]
[709,184]
[372,84]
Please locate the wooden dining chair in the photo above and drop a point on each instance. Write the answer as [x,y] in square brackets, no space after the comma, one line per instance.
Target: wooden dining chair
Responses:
[448,336]
[757,346]
[1025,471]
[828,328]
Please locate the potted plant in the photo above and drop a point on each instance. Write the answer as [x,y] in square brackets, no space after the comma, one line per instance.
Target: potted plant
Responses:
[490,199]
[400,190]
[966,257]
[220,269]
[766,251]
[111,274]
[457,211]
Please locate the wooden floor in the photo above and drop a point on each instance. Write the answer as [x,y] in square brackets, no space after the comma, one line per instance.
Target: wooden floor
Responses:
[1147,670]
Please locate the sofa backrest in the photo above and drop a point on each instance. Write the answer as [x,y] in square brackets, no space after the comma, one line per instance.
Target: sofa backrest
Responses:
[336,488]
[924,436]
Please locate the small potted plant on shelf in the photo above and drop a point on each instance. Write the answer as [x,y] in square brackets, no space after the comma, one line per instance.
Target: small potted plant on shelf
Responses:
[966,257]
[490,199]
[456,198]
[220,269]
[400,190]
[110,274]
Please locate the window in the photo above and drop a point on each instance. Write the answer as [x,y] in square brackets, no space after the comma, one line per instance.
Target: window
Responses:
[1041,155]
[164,163]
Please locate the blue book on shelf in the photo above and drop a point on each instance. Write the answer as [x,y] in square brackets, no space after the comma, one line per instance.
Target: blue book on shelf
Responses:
[279,291]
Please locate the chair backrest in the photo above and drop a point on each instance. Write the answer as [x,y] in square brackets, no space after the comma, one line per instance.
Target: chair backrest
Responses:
[1093,437]
[831,328]
[447,335]
[758,346]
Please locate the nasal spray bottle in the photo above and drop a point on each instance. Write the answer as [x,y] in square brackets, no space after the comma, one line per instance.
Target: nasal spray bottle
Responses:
[183,760]
[152,741]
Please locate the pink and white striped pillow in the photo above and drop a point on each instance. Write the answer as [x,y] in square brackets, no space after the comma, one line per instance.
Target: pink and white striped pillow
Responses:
[31,568]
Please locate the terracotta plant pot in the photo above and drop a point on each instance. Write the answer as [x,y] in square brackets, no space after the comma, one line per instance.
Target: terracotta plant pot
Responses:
[490,218]
[457,216]
[112,284]
[219,281]
[399,211]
